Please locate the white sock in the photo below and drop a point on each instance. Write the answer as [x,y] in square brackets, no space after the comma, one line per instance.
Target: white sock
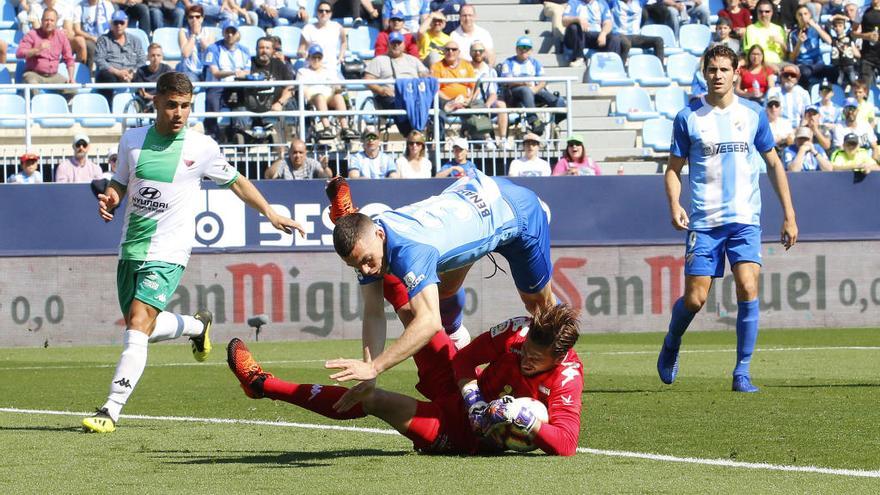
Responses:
[171,326]
[128,371]
[460,337]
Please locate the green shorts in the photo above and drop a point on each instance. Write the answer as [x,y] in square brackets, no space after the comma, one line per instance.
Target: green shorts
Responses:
[152,282]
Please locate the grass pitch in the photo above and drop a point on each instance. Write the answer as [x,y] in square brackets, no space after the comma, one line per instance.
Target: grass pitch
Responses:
[819,406]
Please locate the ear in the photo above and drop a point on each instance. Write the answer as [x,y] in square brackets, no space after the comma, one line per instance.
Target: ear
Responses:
[380,233]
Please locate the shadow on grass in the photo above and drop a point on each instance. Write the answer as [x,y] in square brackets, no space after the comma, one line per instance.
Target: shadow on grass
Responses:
[77,429]
[272,459]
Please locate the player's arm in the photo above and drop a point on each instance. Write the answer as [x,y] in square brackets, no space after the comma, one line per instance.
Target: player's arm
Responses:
[559,436]
[672,179]
[776,174]
[247,192]
[110,199]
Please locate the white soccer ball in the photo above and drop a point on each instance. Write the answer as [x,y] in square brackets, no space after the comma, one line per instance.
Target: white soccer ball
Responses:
[512,437]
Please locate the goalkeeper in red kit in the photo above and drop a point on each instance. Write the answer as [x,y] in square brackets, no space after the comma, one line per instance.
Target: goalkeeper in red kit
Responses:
[523,357]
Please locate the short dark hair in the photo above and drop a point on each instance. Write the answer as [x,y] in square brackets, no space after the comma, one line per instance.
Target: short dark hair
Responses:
[267,39]
[555,327]
[174,83]
[720,51]
[195,8]
[324,2]
[349,229]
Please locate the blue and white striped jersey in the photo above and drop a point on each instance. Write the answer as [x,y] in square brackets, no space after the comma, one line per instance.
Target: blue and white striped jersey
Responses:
[627,16]
[595,12]
[411,9]
[722,147]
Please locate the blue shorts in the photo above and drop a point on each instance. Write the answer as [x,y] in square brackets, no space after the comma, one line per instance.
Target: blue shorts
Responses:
[704,249]
[529,252]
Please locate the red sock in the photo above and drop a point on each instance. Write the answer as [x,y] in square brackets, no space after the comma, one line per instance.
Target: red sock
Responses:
[315,398]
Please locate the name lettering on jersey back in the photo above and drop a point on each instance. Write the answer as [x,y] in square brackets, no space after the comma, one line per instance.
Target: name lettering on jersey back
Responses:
[712,149]
[474,197]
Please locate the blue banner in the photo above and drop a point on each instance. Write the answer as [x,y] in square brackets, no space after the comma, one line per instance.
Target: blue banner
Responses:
[61,219]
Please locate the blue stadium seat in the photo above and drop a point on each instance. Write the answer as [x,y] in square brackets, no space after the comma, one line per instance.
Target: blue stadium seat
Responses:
[215,31]
[91,103]
[167,37]
[5,78]
[12,104]
[290,36]
[7,15]
[694,38]
[198,107]
[838,96]
[82,75]
[681,68]
[606,68]
[49,103]
[141,35]
[670,44]
[249,37]
[119,102]
[635,104]
[11,37]
[19,72]
[362,41]
[669,101]
[657,134]
[647,70]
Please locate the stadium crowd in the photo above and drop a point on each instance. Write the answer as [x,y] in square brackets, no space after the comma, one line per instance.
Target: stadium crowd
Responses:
[797,59]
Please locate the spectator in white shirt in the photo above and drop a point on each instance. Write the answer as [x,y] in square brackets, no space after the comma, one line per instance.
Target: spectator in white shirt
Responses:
[468,32]
[529,165]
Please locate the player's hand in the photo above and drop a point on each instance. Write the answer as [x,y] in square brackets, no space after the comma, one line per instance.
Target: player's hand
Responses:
[503,410]
[601,39]
[789,233]
[286,225]
[107,203]
[679,218]
[478,419]
[353,369]
[355,395]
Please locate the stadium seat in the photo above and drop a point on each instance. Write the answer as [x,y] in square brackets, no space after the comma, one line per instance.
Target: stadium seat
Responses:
[82,75]
[5,78]
[7,15]
[50,103]
[11,37]
[657,134]
[19,72]
[635,104]
[694,38]
[681,68]
[91,103]
[647,70]
[290,36]
[670,44]
[669,101]
[249,37]
[606,68]
[838,96]
[362,41]
[12,104]
[167,37]
[215,32]
[141,35]
[198,107]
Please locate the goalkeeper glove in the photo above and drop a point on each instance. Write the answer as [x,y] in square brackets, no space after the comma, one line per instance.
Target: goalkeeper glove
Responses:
[505,410]
[476,407]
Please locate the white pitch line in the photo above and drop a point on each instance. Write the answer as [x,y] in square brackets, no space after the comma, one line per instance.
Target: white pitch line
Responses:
[160,365]
[607,453]
[769,349]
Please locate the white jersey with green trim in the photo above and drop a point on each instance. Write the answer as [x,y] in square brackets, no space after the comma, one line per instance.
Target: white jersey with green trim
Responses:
[162,174]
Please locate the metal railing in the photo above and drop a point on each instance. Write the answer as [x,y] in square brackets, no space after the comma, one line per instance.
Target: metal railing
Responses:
[302,114]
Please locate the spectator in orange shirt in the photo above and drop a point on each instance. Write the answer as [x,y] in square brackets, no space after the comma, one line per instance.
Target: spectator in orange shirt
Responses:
[454,95]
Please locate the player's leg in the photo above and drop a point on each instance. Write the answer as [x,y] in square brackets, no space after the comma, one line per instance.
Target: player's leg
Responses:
[197,327]
[452,299]
[744,253]
[703,260]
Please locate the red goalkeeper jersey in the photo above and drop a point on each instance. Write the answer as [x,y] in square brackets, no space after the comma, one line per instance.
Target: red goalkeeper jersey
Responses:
[559,388]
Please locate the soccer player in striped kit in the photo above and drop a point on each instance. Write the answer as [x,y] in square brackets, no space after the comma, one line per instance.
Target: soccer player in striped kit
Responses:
[721,137]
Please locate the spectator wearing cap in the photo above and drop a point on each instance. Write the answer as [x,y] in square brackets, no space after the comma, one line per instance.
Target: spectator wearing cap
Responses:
[42,49]
[794,98]
[395,65]
[117,55]
[298,166]
[112,160]
[627,17]
[137,11]
[845,52]
[770,36]
[487,92]
[225,60]
[413,164]
[372,162]
[851,125]
[79,168]
[780,127]
[468,33]
[756,77]
[869,29]
[27,172]
[529,94]
[574,160]
[270,12]
[414,11]
[851,156]
[530,164]
[395,24]
[326,95]
[432,38]
[804,48]
[327,33]
[588,24]
[813,121]
[803,155]
[740,18]
[91,19]
[460,165]
[194,42]
[724,35]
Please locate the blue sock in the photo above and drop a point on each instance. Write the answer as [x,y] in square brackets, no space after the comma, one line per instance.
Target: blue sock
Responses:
[681,318]
[746,335]
[451,310]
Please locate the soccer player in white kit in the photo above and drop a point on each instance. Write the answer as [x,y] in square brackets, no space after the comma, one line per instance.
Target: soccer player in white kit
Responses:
[722,137]
[161,168]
